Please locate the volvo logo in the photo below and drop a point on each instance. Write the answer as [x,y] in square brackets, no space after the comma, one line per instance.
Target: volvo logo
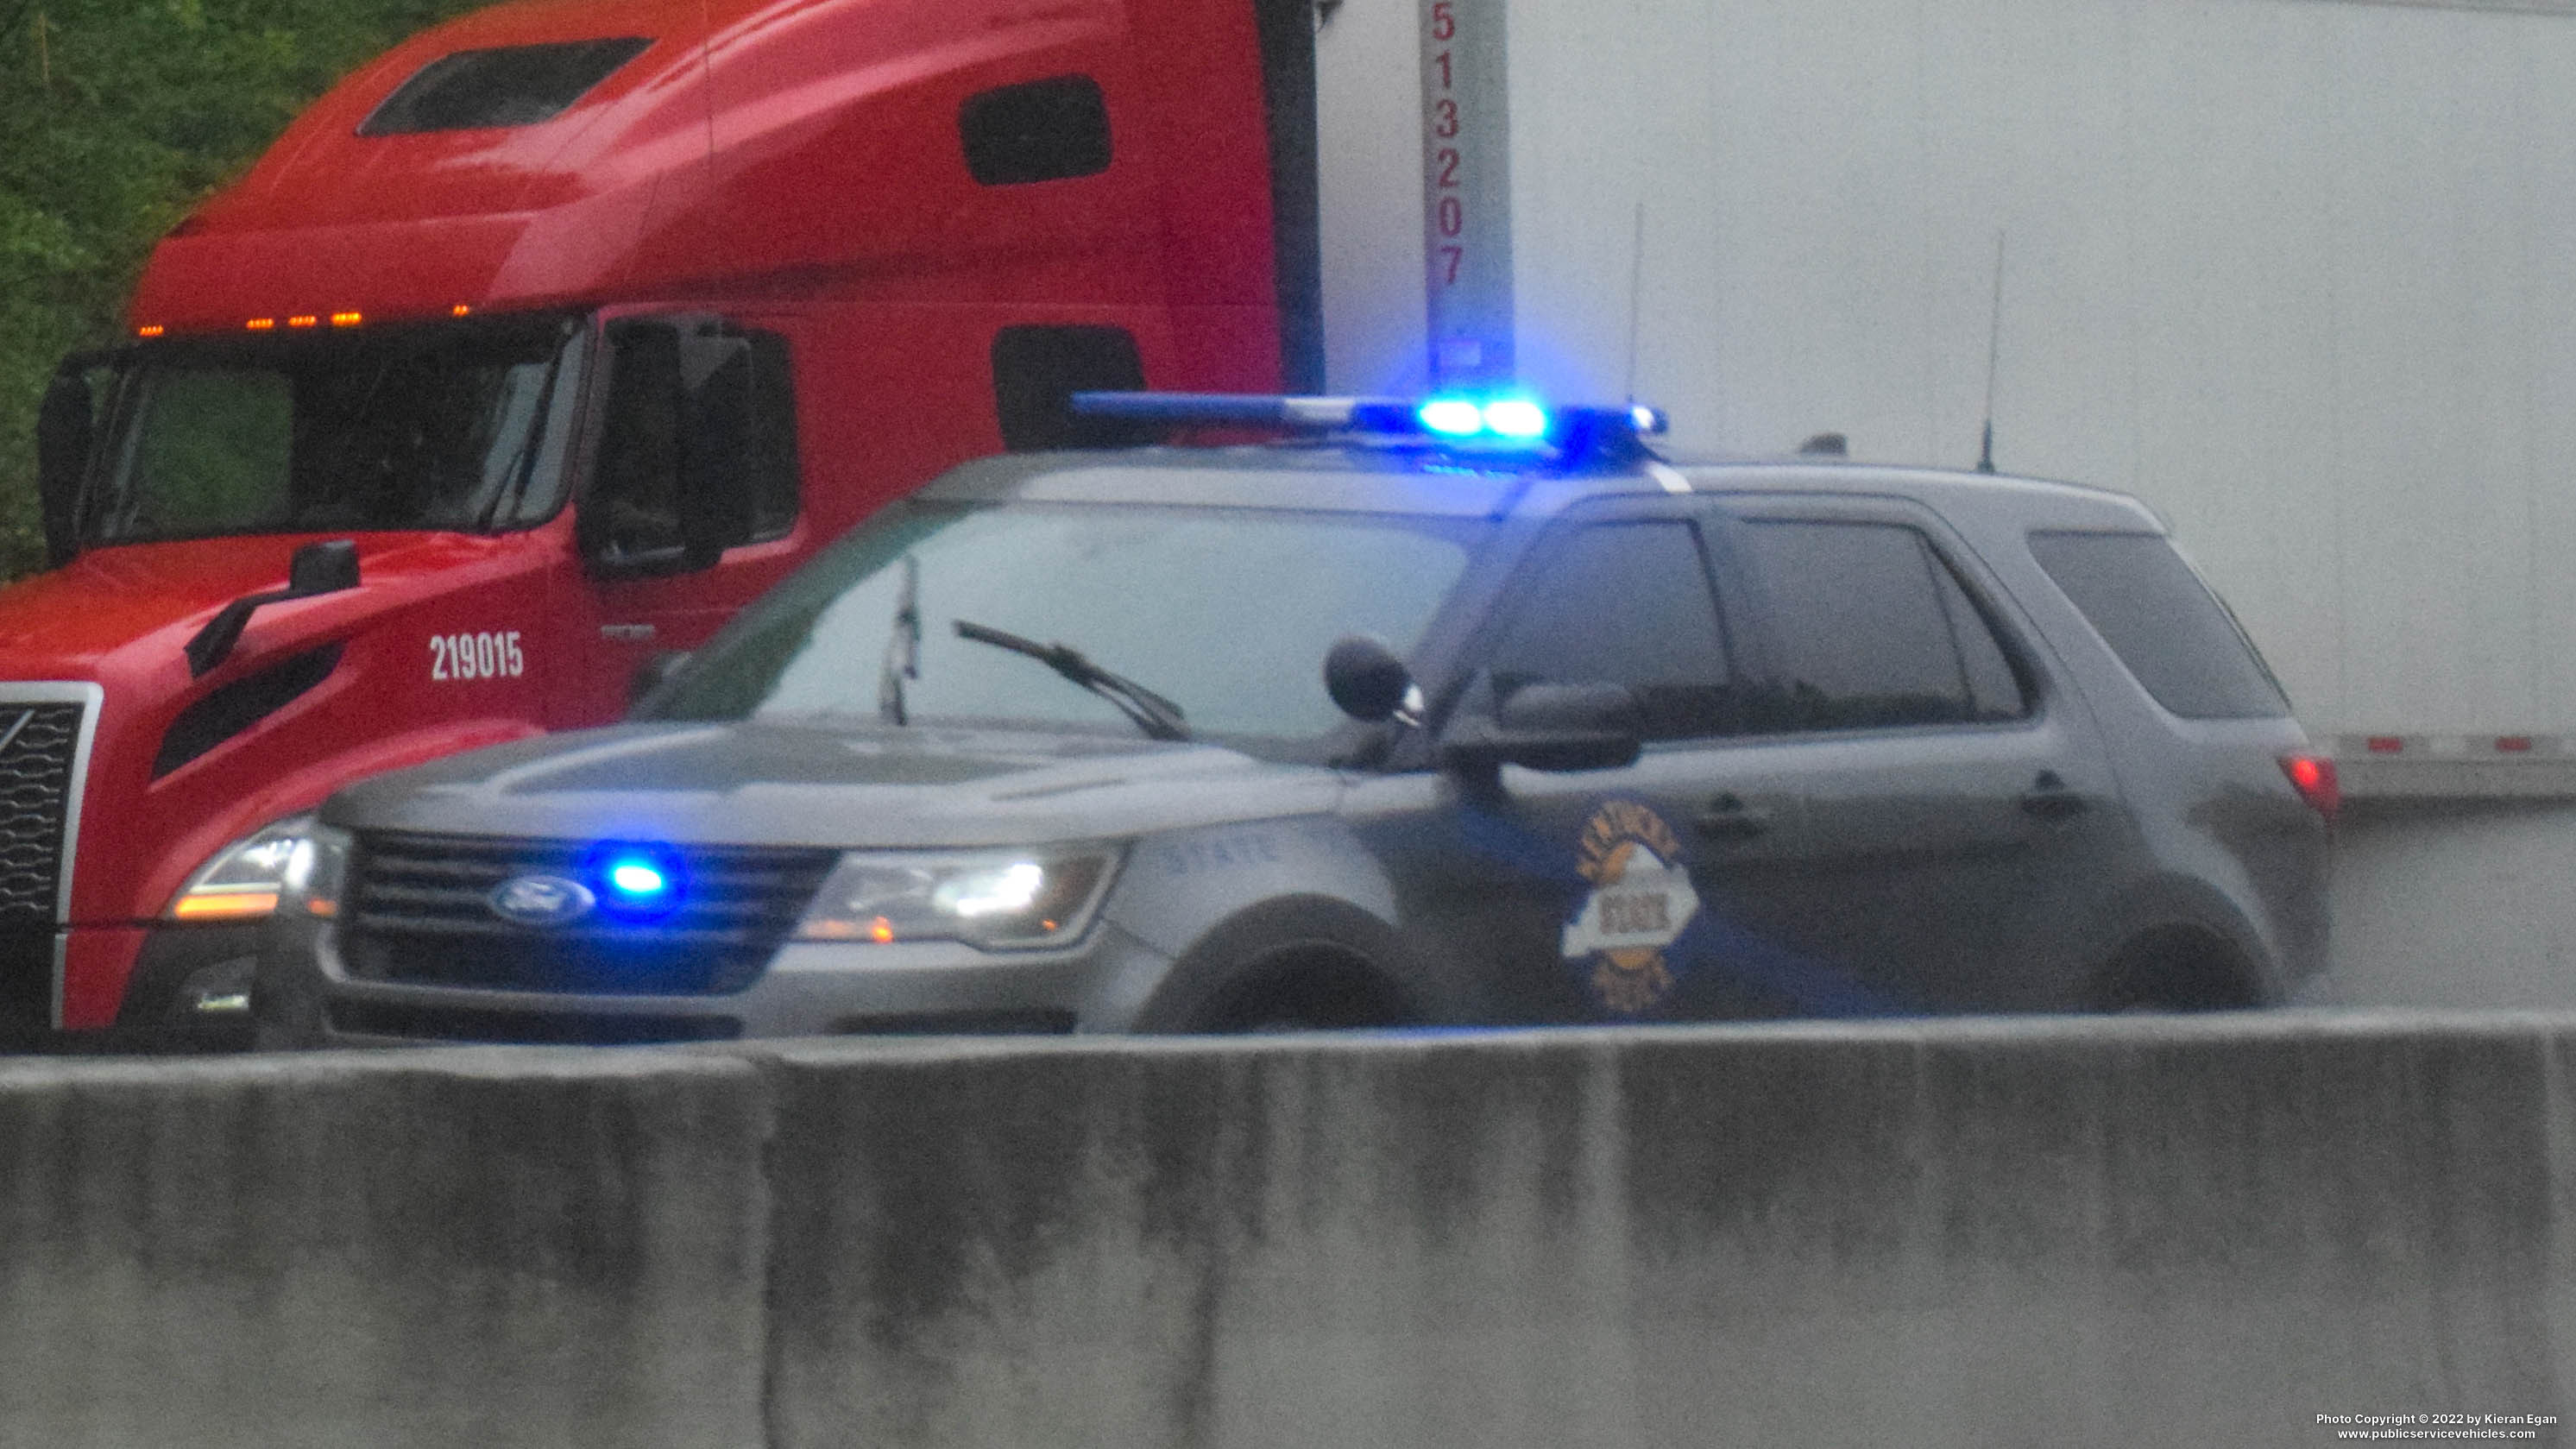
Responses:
[542,900]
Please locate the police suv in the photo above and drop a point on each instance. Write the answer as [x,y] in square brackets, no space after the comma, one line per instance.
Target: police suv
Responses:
[1466,713]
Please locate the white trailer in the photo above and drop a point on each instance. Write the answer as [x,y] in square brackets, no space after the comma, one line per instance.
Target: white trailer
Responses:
[2300,273]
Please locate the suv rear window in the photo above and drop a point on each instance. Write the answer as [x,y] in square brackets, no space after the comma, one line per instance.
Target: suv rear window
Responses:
[2163,622]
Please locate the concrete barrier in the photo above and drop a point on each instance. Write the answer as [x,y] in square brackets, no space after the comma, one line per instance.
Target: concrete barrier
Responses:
[2134,1232]
[418,1248]
[2046,1233]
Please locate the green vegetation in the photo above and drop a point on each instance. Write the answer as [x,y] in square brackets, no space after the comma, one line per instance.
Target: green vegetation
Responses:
[116,118]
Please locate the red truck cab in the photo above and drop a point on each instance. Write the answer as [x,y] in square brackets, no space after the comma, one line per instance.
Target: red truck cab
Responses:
[541,344]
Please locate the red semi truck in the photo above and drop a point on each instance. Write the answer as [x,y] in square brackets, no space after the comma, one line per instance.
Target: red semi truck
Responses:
[538,346]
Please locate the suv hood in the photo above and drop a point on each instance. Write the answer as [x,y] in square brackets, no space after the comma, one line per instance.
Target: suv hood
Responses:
[843,786]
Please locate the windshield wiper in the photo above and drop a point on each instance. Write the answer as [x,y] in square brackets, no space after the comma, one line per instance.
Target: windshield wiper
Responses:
[903,646]
[1158,717]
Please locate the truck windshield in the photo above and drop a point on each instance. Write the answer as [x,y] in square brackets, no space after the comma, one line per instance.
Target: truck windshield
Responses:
[455,426]
[1223,613]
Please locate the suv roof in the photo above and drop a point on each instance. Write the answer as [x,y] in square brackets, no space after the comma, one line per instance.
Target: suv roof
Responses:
[1343,475]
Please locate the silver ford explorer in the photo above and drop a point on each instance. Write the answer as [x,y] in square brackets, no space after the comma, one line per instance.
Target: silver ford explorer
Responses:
[1466,714]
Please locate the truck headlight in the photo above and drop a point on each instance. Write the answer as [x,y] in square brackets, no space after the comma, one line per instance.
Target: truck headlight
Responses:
[1000,900]
[241,882]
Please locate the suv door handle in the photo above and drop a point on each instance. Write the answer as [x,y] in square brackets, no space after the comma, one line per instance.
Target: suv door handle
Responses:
[2049,799]
[1729,818]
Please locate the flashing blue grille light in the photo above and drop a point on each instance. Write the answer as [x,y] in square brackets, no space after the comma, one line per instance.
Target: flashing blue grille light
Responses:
[637,880]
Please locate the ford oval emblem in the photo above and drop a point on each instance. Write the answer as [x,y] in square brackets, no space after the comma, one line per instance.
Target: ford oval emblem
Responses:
[542,900]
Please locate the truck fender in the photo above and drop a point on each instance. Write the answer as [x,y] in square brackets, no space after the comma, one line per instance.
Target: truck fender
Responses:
[306,787]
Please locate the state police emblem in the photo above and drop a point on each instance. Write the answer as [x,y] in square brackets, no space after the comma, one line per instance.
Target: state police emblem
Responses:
[1641,900]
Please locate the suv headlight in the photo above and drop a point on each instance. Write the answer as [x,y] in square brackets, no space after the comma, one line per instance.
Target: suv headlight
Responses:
[1000,900]
[241,882]
[315,870]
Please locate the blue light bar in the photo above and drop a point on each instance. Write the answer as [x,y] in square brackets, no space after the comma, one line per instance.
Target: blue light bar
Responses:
[1452,417]
[1490,421]
[1515,417]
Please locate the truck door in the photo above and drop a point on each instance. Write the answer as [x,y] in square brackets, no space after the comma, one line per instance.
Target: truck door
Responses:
[1961,809]
[1652,891]
[690,506]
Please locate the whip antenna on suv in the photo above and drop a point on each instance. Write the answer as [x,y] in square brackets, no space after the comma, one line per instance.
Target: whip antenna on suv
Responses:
[1994,347]
[1492,423]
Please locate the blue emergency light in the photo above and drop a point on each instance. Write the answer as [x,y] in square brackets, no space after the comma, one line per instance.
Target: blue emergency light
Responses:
[638,880]
[1495,421]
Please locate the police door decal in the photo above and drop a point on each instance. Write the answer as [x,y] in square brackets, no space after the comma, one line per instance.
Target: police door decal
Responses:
[1641,900]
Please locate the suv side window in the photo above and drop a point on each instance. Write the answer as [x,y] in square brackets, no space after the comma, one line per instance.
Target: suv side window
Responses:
[1627,603]
[1873,631]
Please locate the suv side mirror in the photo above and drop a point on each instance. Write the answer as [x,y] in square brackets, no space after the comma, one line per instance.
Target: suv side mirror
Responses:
[1592,726]
[1365,678]
[64,423]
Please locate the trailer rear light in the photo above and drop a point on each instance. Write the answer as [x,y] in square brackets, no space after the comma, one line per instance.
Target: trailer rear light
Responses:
[459,310]
[347,319]
[155,330]
[304,321]
[261,324]
[2314,775]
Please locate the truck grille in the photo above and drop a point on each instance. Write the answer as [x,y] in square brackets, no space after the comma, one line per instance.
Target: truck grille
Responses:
[39,744]
[418,909]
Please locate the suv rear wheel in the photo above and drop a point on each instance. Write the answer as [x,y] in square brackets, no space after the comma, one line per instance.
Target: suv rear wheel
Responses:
[2178,968]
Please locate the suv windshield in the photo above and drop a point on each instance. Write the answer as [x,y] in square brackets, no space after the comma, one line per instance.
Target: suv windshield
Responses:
[1225,613]
[435,427]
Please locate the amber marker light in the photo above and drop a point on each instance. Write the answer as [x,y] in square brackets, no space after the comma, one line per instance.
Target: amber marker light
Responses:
[459,310]
[229,905]
[302,321]
[347,319]
[261,324]
[155,330]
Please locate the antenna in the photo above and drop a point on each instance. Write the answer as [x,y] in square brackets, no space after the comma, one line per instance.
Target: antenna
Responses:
[1994,343]
[1636,280]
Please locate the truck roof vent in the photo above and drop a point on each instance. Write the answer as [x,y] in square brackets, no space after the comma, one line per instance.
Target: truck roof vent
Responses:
[515,85]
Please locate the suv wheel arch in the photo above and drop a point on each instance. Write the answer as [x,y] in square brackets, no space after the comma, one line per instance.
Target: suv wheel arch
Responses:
[1291,964]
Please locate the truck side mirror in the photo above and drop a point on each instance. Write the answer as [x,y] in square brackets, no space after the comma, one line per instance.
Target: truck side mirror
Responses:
[716,423]
[323,568]
[64,423]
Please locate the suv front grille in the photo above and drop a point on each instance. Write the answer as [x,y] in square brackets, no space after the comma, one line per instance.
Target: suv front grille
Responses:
[418,909]
[39,744]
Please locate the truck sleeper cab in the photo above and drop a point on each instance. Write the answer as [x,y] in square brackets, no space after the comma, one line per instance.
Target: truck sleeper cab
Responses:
[581,325]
